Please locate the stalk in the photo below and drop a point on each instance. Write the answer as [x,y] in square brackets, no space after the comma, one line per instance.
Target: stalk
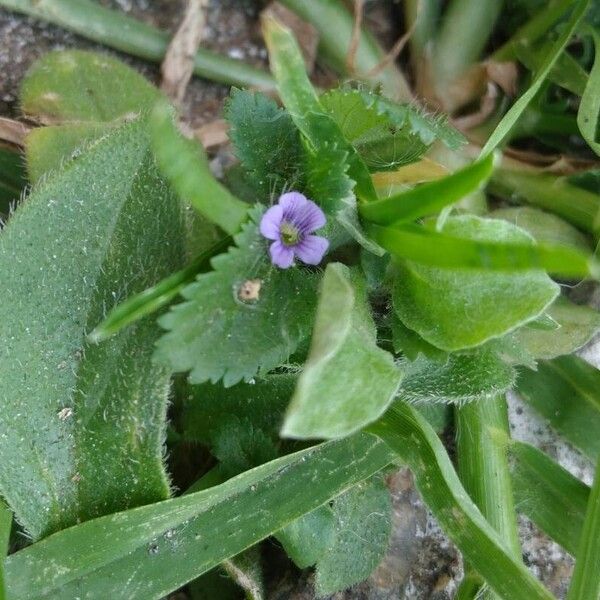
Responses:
[482,434]
[549,192]
[464,33]
[6,519]
[121,32]
[334,23]
[424,16]
[534,29]
[585,584]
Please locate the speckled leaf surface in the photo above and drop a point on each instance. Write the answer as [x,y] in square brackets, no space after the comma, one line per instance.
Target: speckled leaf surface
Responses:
[82,425]
[455,309]
[347,381]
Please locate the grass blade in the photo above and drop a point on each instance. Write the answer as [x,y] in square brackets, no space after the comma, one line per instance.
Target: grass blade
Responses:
[548,495]
[511,117]
[429,198]
[411,437]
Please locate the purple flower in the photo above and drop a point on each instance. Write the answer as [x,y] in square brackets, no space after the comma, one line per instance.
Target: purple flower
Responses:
[290,224]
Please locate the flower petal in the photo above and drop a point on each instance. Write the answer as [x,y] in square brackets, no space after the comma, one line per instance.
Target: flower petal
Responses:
[271,221]
[311,219]
[281,256]
[312,249]
[292,204]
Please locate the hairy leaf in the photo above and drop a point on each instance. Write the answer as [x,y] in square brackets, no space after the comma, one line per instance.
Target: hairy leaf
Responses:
[12,178]
[455,309]
[566,391]
[151,551]
[84,424]
[344,366]
[216,333]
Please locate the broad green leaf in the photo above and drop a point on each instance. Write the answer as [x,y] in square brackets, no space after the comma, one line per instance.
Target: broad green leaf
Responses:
[266,141]
[410,343]
[544,227]
[585,582]
[362,528]
[549,495]
[83,425]
[429,198]
[512,116]
[455,309]
[428,247]
[300,99]
[589,107]
[566,391]
[416,444]
[307,539]
[185,165]
[75,85]
[148,552]
[479,375]
[575,327]
[218,333]
[345,366]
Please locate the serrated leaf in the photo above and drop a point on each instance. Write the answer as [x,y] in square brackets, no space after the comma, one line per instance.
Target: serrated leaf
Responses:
[344,364]
[151,551]
[480,375]
[566,392]
[75,85]
[575,327]
[266,141]
[456,309]
[77,244]
[362,529]
[307,539]
[215,334]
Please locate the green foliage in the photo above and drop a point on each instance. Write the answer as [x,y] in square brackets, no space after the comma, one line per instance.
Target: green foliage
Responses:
[83,425]
[12,178]
[343,343]
[418,446]
[589,107]
[151,551]
[362,527]
[266,141]
[217,334]
[574,326]
[566,391]
[549,495]
[479,375]
[455,309]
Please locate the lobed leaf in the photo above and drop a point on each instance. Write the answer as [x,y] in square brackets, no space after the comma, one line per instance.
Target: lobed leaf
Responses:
[344,364]
[218,334]
[78,439]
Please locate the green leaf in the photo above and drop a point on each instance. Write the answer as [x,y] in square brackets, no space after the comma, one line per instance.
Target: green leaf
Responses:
[576,326]
[246,570]
[77,437]
[544,227]
[300,99]
[455,309]
[585,582]
[410,343]
[185,165]
[566,391]
[307,539]
[12,178]
[460,378]
[589,107]
[548,495]
[74,85]
[151,551]
[344,364]
[416,444]
[429,198]
[512,116]
[362,528]
[266,141]
[216,333]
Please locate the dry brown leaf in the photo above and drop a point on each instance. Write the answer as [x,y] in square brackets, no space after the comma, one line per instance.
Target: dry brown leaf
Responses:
[213,134]
[12,131]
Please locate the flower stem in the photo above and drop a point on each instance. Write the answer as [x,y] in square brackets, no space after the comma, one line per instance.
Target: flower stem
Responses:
[124,33]
[334,23]
[423,15]
[482,434]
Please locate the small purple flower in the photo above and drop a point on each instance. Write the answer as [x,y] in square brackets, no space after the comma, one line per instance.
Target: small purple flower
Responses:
[290,224]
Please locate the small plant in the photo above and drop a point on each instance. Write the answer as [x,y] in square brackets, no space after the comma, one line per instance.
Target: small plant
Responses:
[307,326]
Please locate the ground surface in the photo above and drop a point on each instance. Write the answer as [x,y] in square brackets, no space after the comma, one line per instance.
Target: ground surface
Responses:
[421,564]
